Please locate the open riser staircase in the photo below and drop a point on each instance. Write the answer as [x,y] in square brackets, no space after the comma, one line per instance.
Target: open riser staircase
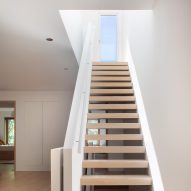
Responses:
[108,144]
[114,153]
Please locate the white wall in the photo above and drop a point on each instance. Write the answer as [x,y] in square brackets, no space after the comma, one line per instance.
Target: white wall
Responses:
[41,121]
[93,16]
[4,112]
[161,43]
[73,25]
[76,23]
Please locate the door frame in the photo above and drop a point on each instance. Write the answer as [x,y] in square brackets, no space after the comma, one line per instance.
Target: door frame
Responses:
[119,26]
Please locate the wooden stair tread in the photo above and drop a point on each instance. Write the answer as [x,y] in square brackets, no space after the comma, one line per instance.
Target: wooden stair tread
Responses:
[125,137]
[113,116]
[110,63]
[113,126]
[112,98]
[111,91]
[116,180]
[110,73]
[112,106]
[106,78]
[115,164]
[114,149]
[111,84]
[110,68]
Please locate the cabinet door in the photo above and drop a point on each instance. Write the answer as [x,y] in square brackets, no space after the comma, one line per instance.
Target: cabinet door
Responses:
[53,127]
[33,135]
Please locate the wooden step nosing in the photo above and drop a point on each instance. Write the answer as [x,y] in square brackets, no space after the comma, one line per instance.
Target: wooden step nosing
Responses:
[112,107]
[110,68]
[110,73]
[116,180]
[130,137]
[115,164]
[111,91]
[113,126]
[110,64]
[112,98]
[114,149]
[111,84]
[110,79]
[113,116]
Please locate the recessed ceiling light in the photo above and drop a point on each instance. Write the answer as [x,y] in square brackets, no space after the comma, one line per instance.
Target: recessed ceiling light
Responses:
[49,39]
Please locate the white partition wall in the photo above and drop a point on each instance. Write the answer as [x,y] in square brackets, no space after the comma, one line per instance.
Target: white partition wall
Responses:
[160,43]
[57,169]
[41,121]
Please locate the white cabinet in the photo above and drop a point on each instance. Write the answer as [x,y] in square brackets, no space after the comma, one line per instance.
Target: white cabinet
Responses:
[44,130]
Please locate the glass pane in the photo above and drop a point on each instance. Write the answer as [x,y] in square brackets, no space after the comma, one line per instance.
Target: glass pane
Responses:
[108,38]
[11,132]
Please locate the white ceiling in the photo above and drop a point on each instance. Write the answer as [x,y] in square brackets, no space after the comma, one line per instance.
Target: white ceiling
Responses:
[107,4]
[27,60]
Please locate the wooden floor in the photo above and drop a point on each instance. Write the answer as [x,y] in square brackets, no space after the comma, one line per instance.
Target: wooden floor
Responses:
[23,181]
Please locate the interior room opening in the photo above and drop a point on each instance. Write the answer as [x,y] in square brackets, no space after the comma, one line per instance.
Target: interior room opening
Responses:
[7,133]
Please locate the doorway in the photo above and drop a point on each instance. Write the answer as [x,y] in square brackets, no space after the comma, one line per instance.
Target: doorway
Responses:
[7,133]
[108,38]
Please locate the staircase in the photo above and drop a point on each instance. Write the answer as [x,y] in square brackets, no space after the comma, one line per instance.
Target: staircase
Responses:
[114,155]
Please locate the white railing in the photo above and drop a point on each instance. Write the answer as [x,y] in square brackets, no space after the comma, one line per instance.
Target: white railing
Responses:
[150,151]
[75,135]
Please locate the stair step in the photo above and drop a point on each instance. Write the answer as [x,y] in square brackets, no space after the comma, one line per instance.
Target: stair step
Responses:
[116,180]
[125,137]
[115,164]
[106,79]
[111,91]
[113,126]
[110,63]
[111,85]
[111,188]
[112,98]
[113,116]
[110,73]
[112,106]
[110,68]
[114,149]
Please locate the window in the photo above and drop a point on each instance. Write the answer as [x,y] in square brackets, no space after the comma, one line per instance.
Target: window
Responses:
[108,38]
[10,131]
